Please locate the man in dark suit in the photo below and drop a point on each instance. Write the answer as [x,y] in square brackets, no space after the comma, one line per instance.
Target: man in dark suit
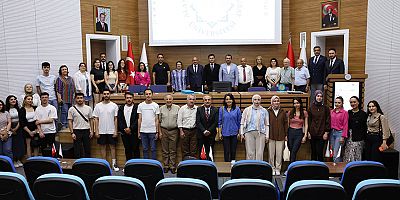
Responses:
[211,71]
[128,126]
[316,65]
[333,65]
[329,20]
[194,78]
[207,121]
[101,25]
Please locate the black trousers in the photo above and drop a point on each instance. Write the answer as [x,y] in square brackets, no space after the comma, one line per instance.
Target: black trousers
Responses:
[317,149]
[300,88]
[230,143]
[372,144]
[243,87]
[207,141]
[131,145]
[82,143]
[48,140]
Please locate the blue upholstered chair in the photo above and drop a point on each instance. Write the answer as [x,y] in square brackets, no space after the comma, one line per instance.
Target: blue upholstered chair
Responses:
[315,190]
[60,187]
[238,189]
[357,171]
[137,88]
[6,164]
[182,189]
[252,169]
[377,189]
[158,88]
[37,166]
[14,186]
[256,89]
[200,169]
[119,187]
[90,169]
[147,170]
[305,170]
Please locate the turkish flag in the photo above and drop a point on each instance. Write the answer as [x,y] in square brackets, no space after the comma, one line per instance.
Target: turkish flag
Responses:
[53,150]
[203,154]
[130,63]
[290,53]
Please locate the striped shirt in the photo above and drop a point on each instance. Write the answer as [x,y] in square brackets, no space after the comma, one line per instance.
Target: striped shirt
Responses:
[178,78]
[66,88]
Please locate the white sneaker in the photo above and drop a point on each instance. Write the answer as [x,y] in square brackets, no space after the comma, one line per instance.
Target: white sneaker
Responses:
[16,164]
[20,163]
[273,172]
[115,167]
[277,172]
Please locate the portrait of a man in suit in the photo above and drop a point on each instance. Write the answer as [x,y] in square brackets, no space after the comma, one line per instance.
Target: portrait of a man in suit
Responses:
[103,19]
[329,14]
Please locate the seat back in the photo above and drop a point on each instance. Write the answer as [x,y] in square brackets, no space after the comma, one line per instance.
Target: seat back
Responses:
[6,164]
[238,189]
[60,187]
[256,89]
[357,171]
[315,190]
[137,88]
[200,169]
[182,189]
[305,170]
[158,88]
[90,169]
[149,171]
[253,169]
[377,189]
[14,186]
[37,166]
[119,187]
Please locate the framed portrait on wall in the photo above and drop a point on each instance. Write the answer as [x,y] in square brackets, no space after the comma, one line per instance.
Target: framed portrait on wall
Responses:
[330,14]
[102,19]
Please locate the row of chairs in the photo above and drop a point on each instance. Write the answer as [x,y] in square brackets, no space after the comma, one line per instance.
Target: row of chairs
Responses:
[150,171]
[70,187]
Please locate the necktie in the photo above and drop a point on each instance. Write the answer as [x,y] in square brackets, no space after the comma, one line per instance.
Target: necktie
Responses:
[195,69]
[315,59]
[244,74]
[212,67]
[331,64]
[207,114]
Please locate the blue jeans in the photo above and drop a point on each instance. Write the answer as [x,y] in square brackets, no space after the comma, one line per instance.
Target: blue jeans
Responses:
[334,141]
[149,140]
[54,103]
[64,113]
[6,148]
[294,142]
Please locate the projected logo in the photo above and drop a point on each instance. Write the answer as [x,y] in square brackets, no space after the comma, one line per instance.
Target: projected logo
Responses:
[211,17]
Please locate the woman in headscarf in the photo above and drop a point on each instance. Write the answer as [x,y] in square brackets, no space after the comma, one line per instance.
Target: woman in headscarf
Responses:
[278,123]
[319,126]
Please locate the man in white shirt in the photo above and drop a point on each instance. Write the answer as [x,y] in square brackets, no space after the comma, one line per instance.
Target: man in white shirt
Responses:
[80,120]
[45,116]
[301,77]
[46,83]
[105,116]
[245,76]
[187,127]
[148,124]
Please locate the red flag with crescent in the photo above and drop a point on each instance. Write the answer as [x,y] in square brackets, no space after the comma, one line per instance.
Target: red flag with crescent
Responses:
[130,63]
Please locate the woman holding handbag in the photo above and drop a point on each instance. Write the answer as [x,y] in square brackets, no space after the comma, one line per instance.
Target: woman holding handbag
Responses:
[229,121]
[378,132]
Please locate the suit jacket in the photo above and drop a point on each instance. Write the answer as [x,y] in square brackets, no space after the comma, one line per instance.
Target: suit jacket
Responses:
[209,75]
[195,80]
[100,28]
[329,22]
[317,70]
[204,124]
[122,123]
[233,75]
[337,68]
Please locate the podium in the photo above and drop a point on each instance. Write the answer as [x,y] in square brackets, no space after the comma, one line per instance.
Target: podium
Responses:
[345,86]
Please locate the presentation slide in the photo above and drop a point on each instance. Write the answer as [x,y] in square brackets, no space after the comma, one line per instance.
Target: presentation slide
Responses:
[347,90]
[214,22]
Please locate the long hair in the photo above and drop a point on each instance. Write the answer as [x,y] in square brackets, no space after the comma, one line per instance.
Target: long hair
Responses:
[119,69]
[108,68]
[144,68]
[8,105]
[24,101]
[3,109]
[378,107]
[233,101]
[276,60]
[358,100]
[293,111]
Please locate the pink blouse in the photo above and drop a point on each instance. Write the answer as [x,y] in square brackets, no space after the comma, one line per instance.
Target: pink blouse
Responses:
[340,121]
[142,80]
[296,122]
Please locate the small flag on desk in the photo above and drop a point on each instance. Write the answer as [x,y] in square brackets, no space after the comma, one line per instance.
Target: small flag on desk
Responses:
[203,154]
[60,153]
[53,150]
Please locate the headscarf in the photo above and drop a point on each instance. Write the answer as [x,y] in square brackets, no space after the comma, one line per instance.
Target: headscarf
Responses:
[272,100]
[317,92]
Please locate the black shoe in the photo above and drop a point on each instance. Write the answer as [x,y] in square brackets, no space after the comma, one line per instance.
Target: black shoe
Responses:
[173,171]
[166,170]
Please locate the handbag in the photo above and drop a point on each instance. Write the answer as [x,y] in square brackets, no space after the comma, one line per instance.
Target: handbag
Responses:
[390,139]
[328,150]
[286,153]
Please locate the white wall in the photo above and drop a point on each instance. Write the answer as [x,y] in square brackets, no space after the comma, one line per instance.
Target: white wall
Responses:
[33,31]
[383,60]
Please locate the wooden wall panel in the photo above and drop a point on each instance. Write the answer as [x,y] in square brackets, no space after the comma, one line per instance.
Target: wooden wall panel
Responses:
[304,16]
[335,42]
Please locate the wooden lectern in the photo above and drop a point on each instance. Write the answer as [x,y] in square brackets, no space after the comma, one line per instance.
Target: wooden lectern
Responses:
[346,82]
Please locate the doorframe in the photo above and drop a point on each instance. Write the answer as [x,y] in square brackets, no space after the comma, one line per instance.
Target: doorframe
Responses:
[111,52]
